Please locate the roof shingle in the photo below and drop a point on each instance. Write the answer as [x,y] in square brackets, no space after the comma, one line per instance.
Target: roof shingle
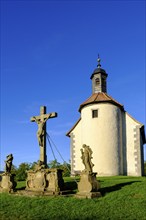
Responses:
[100,97]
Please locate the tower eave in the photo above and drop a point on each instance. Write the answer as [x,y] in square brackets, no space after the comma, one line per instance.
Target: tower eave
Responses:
[100,97]
[97,71]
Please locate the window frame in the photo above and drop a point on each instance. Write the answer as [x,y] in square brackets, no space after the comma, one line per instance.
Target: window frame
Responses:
[97,81]
[95,113]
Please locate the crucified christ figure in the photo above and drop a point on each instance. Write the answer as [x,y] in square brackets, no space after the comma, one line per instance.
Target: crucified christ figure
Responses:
[41,131]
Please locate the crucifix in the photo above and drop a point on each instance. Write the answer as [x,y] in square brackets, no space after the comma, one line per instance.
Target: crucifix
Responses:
[41,132]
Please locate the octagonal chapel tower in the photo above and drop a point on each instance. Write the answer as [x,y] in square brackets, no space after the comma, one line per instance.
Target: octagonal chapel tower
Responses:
[115,138]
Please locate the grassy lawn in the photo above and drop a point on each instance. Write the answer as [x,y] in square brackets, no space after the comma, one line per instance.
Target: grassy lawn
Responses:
[122,198]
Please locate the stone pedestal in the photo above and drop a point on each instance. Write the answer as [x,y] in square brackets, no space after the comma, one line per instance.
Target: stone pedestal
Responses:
[49,181]
[88,186]
[7,183]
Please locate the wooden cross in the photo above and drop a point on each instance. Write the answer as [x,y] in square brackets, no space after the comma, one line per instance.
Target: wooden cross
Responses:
[41,132]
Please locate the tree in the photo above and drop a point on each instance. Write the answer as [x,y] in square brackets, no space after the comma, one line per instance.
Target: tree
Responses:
[54,164]
[21,171]
[66,167]
[33,165]
[14,169]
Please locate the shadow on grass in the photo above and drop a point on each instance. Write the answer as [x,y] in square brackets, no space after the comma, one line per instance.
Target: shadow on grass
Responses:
[20,188]
[115,187]
[71,185]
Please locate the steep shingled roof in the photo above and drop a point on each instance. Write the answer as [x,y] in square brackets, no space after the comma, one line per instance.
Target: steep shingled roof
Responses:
[100,97]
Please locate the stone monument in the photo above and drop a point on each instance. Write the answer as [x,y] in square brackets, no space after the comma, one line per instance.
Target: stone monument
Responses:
[41,132]
[43,179]
[88,185]
[7,183]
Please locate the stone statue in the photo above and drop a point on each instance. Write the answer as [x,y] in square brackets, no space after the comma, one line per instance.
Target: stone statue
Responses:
[8,183]
[86,158]
[8,162]
[41,130]
[88,185]
[40,165]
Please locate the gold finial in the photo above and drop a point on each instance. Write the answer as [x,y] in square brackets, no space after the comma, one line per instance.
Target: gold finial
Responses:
[98,60]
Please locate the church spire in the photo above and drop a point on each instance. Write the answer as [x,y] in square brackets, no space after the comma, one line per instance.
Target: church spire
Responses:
[98,60]
[98,78]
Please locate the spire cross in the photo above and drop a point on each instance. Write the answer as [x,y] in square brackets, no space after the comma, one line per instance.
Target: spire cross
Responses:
[41,132]
[98,60]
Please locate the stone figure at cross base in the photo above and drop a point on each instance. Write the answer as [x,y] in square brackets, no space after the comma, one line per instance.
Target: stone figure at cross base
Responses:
[88,185]
[40,165]
[86,158]
[7,179]
[8,162]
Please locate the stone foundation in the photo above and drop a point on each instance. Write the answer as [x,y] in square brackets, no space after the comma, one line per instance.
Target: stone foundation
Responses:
[7,183]
[45,180]
[88,186]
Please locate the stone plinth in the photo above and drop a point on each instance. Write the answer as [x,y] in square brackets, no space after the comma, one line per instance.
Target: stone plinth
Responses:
[88,186]
[45,180]
[7,183]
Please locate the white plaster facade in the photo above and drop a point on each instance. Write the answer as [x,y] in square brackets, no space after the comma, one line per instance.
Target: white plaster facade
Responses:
[115,138]
[102,128]
[134,146]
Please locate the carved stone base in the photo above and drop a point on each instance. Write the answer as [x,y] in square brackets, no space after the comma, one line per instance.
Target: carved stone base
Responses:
[88,186]
[7,183]
[90,195]
[49,180]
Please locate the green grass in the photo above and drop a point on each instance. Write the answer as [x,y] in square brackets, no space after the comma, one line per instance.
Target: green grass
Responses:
[122,198]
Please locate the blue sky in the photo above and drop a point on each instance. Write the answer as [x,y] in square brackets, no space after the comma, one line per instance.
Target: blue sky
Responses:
[49,50]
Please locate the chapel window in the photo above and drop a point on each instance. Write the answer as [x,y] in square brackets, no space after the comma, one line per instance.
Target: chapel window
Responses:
[97,81]
[95,113]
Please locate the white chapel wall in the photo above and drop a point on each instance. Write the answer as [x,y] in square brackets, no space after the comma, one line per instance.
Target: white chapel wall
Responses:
[76,145]
[133,146]
[116,148]
[104,136]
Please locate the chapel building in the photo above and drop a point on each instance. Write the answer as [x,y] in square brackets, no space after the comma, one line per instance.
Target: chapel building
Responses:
[114,136]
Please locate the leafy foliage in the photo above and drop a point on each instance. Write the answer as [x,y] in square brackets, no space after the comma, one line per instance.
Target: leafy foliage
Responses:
[54,164]
[21,171]
[13,169]
[65,167]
